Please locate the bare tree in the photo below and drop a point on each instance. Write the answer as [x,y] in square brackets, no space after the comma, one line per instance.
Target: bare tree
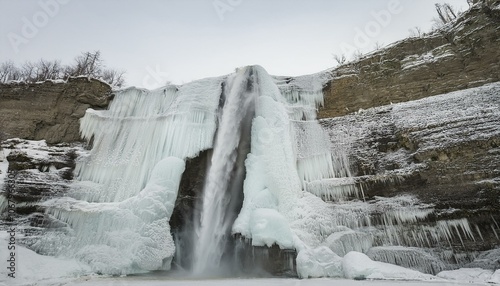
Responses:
[87,64]
[358,55]
[340,59]
[8,71]
[28,72]
[446,13]
[45,70]
[113,77]
[470,2]
[416,32]
[378,46]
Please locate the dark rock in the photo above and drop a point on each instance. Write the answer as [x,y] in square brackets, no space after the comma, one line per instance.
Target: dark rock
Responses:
[468,56]
[49,111]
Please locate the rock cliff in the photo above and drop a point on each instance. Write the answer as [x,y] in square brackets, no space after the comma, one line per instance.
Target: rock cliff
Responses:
[49,110]
[460,55]
[442,150]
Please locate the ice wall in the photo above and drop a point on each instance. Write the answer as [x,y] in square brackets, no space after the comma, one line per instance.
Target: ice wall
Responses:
[116,215]
[288,150]
[140,128]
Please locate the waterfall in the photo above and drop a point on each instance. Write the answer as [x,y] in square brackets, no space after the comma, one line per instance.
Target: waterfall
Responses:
[225,176]
[267,148]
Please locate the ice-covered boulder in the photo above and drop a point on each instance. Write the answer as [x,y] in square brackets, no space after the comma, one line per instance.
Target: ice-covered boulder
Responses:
[357,265]
[269,227]
[346,240]
[318,262]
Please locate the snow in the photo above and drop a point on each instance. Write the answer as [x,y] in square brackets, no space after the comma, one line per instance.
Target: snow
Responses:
[35,268]
[268,227]
[470,275]
[318,262]
[438,54]
[495,278]
[357,265]
[152,281]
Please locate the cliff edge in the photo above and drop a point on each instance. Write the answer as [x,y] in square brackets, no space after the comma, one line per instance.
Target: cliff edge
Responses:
[49,110]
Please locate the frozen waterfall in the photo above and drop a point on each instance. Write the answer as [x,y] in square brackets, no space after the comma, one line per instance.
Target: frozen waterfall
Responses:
[225,176]
[274,180]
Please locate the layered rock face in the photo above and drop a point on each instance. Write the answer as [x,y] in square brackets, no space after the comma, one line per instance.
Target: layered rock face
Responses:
[37,172]
[445,152]
[49,110]
[462,55]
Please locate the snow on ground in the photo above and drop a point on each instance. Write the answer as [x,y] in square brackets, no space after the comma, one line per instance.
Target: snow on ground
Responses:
[471,275]
[35,269]
[139,281]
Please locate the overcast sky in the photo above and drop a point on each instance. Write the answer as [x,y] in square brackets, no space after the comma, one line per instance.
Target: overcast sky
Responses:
[181,40]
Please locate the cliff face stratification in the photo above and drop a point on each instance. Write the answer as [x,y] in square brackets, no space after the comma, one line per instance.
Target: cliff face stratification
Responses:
[49,110]
[462,55]
[444,150]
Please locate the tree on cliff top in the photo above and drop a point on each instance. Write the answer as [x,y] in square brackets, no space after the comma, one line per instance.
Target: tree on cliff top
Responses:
[89,64]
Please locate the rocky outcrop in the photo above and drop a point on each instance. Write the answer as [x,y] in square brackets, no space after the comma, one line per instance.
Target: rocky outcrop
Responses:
[50,110]
[458,56]
[443,150]
[38,172]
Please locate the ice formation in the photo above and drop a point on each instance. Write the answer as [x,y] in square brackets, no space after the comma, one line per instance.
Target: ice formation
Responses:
[357,265]
[319,262]
[117,214]
[298,192]
[142,127]
[128,236]
[230,146]
[409,257]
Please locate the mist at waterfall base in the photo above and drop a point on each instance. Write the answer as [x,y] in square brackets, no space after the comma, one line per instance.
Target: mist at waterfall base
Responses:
[274,180]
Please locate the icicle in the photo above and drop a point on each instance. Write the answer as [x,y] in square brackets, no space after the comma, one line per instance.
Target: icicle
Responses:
[346,240]
[122,237]
[409,257]
[336,189]
[295,95]
[140,128]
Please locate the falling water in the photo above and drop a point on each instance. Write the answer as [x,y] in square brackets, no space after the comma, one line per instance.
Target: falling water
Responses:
[225,177]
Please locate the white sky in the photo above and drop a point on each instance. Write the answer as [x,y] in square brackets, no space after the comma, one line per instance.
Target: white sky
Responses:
[182,40]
